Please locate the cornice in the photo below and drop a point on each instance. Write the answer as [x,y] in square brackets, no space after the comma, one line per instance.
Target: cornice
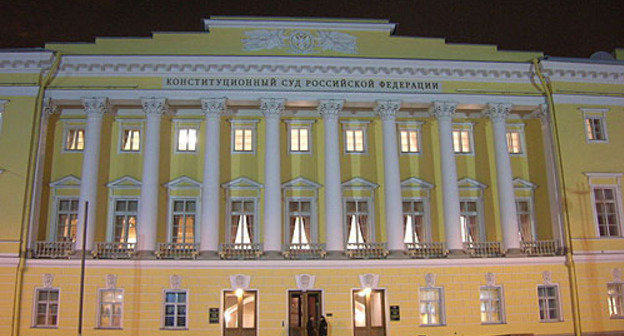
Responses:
[25,62]
[584,72]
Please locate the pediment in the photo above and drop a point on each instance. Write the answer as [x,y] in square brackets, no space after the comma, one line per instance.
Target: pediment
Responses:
[359,183]
[183,182]
[415,183]
[301,183]
[523,184]
[242,183]
[69,181]
[468,183]
[126,182]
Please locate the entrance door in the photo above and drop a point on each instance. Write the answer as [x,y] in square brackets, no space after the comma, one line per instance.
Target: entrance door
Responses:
[239,313]
[369,313]
[302,306]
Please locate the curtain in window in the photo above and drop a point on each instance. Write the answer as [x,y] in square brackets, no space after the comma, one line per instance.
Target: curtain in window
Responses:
[242,229]
[300,231]
[357,230]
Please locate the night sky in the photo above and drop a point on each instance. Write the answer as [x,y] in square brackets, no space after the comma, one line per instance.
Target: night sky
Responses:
[558,28]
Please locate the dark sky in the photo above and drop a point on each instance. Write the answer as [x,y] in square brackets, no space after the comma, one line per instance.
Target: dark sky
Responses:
[558,28]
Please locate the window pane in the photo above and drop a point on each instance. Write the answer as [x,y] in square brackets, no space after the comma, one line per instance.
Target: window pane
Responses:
[404,142]
[192,139]
[294,139]
[247,141]
[350,140]
[376,308]
[359,141]
[303,140]
[413,140]
[249,310]
[359,308]
[230,311]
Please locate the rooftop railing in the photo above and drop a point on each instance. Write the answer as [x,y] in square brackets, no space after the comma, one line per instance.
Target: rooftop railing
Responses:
[53,249]
[484,249]
[177,251]
[240,251]
[366,250]
[304,251]
[541,248]
[113,250]
[426,250]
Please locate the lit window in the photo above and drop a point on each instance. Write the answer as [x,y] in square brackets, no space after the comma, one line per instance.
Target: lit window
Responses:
[111,308]
[548,298]
[368,310]
[125,221]
[131,141]
[357,212]
[243,139]
[524,215]
[66,219]
[491,305]
[242,221]
[409,141]
[299,217]
[606,209]
[74,139]
[615,293]
[46,307]
[414,221]
[187,139]
[595,128]
[183,224]
[354,141]
[299,139]
[461,141]
[514,142]
[239,312]
[175,309]
[470,222]
[431,306]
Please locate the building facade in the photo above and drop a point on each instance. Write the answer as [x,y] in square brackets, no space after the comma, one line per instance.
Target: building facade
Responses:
[249,179]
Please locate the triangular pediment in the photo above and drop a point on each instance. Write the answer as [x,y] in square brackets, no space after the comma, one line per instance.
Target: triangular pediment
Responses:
[359,183]
[301,183]
[69,181]
[519,183]
[468,183]
[183,182]
[415,183]
[126,182]
[242,183]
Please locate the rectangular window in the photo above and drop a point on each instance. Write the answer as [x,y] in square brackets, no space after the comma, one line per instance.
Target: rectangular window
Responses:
[125,221]
[368,311]
[462,141]
[299,139]
[131,141]
[615,293]
[175,309]
[595,128]
[514,142]
[491,305]
[66,219]
[548,297]
[239,312]
[524,214]
[469,220]
[111,308]
[357,223]
[414,221]
[607,216]
[354,141]
[74,139]
[242,220]
[46,308]
[183,224]
[431,306]
[409,141]
[243,139]
[187,139]
[299,222]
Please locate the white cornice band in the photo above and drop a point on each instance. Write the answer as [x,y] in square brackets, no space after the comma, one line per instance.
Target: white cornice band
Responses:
[25,62]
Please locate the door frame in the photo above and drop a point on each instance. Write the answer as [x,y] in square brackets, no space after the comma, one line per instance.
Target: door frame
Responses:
[221,310]
[386,308]
[287,320]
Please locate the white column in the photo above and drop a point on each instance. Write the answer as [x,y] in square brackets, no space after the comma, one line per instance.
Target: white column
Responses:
[498,112]
[209,234]
[94,109]
[154,108]
[392,176]
[334,226]
[444,111]
[272,108]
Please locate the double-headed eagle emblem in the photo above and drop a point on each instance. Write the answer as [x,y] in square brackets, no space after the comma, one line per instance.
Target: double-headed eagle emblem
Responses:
[299,41]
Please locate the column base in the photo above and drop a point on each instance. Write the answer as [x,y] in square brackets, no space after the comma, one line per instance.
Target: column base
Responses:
[396,254]
[272,255]
[147,254]
[514,253]
[457,254]
[333,255]
[208,255]
[78,254]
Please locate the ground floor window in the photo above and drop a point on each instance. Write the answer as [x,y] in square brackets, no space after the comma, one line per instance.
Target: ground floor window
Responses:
[175,309]
[491,305]
[111,308]
[431,306]
[548,296]
[369,312]
[46,307]
[615,292]
[239,312]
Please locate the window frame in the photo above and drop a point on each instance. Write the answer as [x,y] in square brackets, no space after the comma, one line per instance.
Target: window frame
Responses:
[128,125]
[299,124]
[184,124]
[255,200]
[599,114]
[410,126]
[313,239]
[250,124]
[517,128]
[557,298]
[440,302]
[196,223]
[371,218]
[164,309]
[530,200]
[110,232]
[501,303]
[35,310]
[621,295]
[464,126]
[71,127]
[355,125]
[480,215]
[426,215]
[98,323]
[55,214]
[618,208]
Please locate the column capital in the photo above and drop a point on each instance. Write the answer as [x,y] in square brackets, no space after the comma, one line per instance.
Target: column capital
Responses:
[213,107]
[330,108]
[49,107]
[387,109]
[443,110]
[498,111]
[154,106]
[3,102]
[95,106]
[272,107]
[542,113]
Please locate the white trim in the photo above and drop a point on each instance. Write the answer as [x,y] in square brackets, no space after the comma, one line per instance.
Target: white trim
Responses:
[15,91]
[244,124]
[442,307]
[112,202]
[25,61]
[355,125]
[583,72]
[501,299]
[66,128]
[300,124]
[34,308]
[257,221]
[197,222]
[371,236]
[176,134]
[601,116]
[123,126]
[410,126]
[587,99]
[426,214]
[559,303]
[343,24]
[53,229]
[124,183]
[533,223]
[480,214]
[99,309]
[314,237]
[164,303]
[519,128]
[464,126]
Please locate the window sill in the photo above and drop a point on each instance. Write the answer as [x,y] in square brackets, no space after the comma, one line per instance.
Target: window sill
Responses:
[174,328]
[108,328]
[44,327]
[551,321]
[433,325]
[492,323]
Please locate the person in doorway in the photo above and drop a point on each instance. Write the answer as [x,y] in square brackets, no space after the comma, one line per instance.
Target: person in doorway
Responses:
[322,326]
[310,326]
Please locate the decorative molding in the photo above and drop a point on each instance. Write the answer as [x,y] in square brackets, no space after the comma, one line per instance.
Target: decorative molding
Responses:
[241,281]
[498,112]
[547,277]
[305,281]
[301,183]
[519,183]
[468,183]
[111,281]
[48,279]
[443,110]
[490,279]
[182,182]
[3,103]
[299,41]
[213,107]
[387,109]
[175,281]
[242,183]
[583,72]
[12,62]
[330,109]
[298,24]
[415,183]
[369,280]
[617,274]
[69,181]
[49,106]
[125,182]
[95,106]
[272,107]
[359,183]
[430,279]
[154,106]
